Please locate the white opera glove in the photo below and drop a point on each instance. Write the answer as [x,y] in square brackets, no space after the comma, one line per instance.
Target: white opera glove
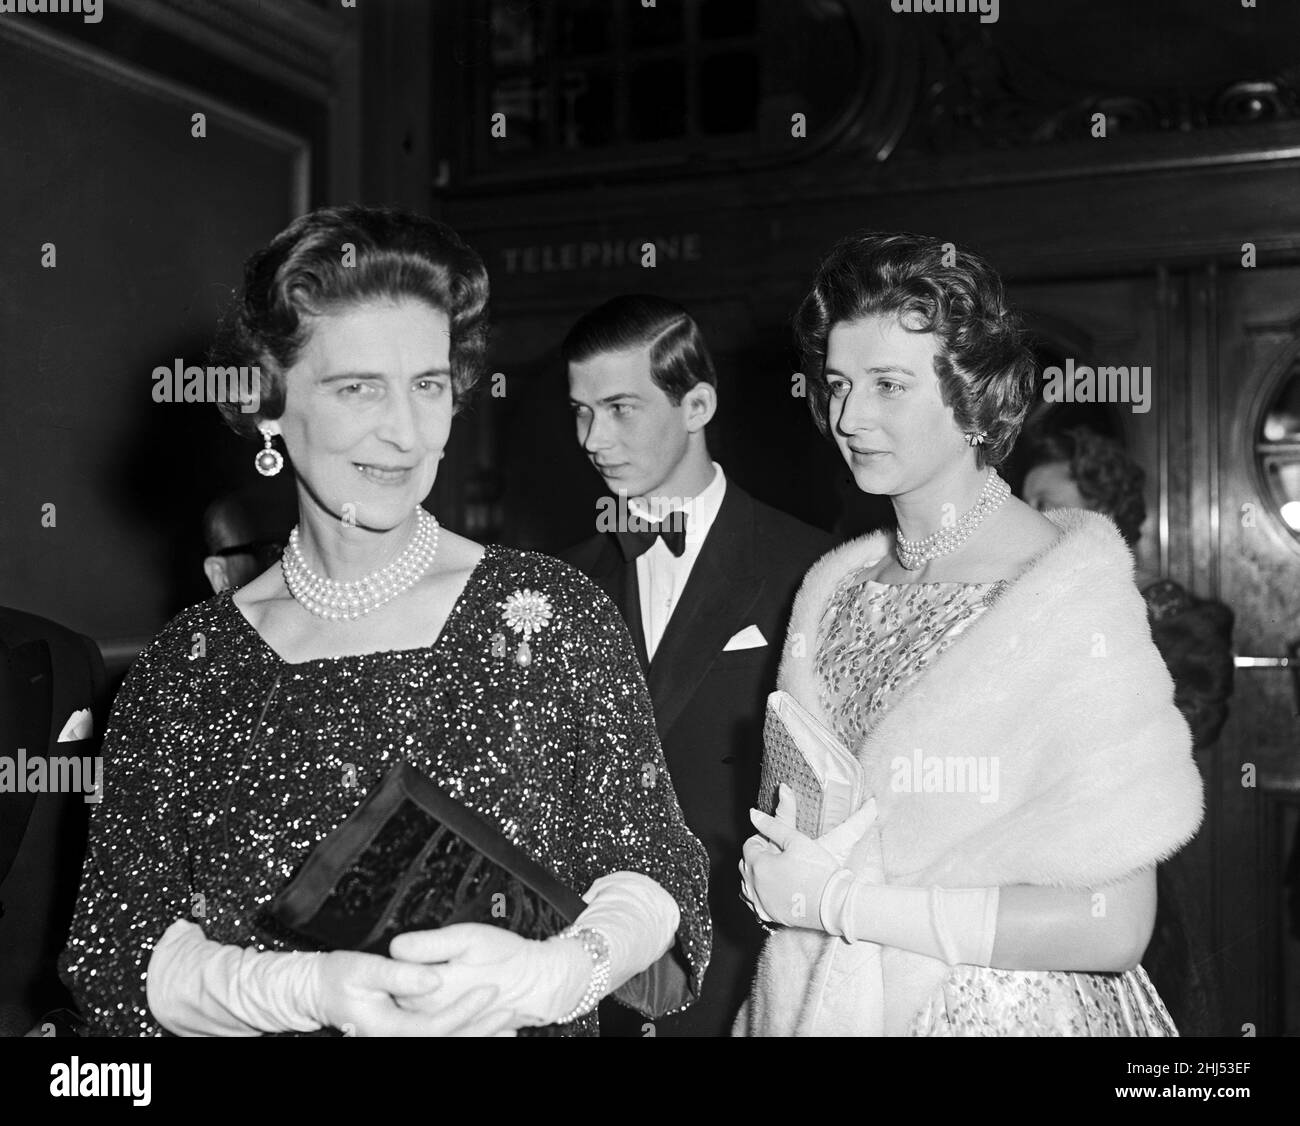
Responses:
[533,982]
[956,925]
[539,983]
[783,873]
[196,987]
[638,918]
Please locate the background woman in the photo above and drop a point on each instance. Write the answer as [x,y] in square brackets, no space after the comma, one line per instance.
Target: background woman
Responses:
[1077,468]
[992,671]
[256,722]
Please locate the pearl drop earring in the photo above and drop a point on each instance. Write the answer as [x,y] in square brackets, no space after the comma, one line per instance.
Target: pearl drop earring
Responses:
[269,461]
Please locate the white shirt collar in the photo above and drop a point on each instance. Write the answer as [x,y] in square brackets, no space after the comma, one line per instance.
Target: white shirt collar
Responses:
[701,510]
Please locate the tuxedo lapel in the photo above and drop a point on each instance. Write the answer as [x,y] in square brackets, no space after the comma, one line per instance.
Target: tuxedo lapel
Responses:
[26,700]
[617,578]
[724,586]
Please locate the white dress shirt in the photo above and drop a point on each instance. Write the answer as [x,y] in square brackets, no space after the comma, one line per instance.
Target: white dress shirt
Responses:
[661,575]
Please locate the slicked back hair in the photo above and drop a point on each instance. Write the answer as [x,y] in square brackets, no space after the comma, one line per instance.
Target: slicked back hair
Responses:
[679,357]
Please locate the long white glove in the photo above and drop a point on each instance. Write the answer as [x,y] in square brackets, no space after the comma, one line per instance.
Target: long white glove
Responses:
[540,982]
[792,879]
[197,987]
[637,916]
[956,925]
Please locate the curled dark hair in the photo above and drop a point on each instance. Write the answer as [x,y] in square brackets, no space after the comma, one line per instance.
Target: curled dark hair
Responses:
[679,357]
[984,367]
[336,257]
[1108,480]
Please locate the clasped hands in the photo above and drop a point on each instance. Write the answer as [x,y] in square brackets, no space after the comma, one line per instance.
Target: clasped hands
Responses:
[784,873]
[468,979]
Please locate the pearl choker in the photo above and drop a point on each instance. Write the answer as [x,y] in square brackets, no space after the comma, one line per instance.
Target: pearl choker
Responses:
[333,600]
[914,554]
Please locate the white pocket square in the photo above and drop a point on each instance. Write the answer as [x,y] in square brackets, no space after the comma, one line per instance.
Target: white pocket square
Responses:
[80,725]
[751,637]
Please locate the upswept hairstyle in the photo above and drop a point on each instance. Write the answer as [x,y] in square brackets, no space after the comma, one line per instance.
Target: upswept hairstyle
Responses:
[985,368]
[1108,479]
[308,270]
[679,358]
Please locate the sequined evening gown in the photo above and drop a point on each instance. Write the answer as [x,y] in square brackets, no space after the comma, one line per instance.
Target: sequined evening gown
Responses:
[875,639]
[224,766]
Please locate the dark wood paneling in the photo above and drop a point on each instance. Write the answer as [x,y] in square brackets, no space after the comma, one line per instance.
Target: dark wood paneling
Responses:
[1259,569]
[151,226]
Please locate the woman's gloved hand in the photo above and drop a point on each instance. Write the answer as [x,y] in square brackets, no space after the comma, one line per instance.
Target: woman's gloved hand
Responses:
[784,873]
[369,995]
[531,983]
[198,987]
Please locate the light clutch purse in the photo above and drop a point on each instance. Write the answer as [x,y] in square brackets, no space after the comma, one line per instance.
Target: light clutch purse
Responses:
[799,750]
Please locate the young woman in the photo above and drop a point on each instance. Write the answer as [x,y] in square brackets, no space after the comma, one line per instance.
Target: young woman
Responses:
[992,671]
[256,721]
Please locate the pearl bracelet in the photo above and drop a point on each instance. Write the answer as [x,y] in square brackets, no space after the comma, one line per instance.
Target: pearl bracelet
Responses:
[597,945]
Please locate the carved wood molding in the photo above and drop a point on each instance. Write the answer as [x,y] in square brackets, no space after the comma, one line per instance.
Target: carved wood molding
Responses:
[1024,86]
[131,75]
[293,42]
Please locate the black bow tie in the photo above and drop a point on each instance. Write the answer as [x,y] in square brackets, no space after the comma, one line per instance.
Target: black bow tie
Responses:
[671,529]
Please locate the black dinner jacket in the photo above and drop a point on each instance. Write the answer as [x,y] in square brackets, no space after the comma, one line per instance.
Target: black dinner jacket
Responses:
[47,672]
[709,707]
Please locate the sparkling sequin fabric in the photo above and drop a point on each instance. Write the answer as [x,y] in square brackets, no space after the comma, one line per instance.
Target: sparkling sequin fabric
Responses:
[224,766]
[874,640]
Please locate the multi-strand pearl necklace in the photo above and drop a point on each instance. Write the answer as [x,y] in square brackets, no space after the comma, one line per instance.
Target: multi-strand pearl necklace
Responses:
[914,554]
[327,598]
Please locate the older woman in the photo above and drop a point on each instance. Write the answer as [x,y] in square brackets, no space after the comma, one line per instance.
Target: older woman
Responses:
[991,671]
[256,721]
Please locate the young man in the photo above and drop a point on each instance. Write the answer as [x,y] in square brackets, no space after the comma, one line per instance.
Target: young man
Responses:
[704,575]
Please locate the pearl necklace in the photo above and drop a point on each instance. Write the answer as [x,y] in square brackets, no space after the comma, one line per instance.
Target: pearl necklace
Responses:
[914,554]
[333,600]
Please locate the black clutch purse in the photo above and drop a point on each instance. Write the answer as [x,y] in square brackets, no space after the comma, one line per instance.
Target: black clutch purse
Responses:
[410,857]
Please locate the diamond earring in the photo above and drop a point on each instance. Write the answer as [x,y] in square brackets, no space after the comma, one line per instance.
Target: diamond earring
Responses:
[269,461]
[976,438]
